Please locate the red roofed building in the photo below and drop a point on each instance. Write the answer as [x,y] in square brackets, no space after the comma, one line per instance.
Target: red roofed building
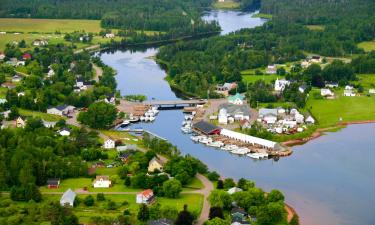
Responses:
[26,56]
[145,197]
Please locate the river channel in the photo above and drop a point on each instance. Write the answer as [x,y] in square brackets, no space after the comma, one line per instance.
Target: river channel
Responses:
[328,181]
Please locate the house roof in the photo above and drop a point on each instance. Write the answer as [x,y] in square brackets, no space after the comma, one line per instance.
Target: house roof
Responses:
[101,177]
[26,56]
[53,181]
[238,210]
[205,127]
[68,196]
[235,109]
[236,96]
[64,129]
[162,221]
[155,159]
[147,193]
[265,111]
[60,107]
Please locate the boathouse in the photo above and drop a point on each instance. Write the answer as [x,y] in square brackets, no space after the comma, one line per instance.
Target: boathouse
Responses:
[206,128]
[249,139]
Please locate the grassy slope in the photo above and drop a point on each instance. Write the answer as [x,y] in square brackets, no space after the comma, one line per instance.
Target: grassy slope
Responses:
[366,80]
[227,4]
[367,45]
[45,116]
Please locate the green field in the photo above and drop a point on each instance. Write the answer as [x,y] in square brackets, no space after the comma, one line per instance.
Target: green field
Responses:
[45,116]
[227,4]
[368,46]
[48,25]
[262,15]
[329,112]
[315,27]
[3,92]
[366,80]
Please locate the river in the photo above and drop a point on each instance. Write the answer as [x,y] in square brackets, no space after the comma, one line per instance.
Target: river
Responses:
[328,181]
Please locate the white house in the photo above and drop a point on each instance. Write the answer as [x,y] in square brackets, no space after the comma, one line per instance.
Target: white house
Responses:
[38,42]
[145,197]
[281,84]
[50,73]
[349,93]
[371,91]
[310,120]
[49,124]
[102,182]
[236,99]
[270,118]
[223,116]
[3,101]
[109,35]
[109,144]
[234,190]
[16,78]
[348,87]
[326,92]
[2,56]
[68,198]
[299,118]
[61,110]
[64,132]
[302,88]
[332,85]
[271,69]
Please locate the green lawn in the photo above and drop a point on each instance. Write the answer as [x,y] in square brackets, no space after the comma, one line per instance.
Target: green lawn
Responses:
[227,4]
[315,27]
[45,116]
[262,15]
[366,80]
[193,185]
[329,112]
[367,45]
[3,92]
[267,78]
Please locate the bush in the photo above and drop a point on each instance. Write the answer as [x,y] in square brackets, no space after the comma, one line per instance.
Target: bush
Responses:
[100,197]
[213,176]
[89,201]
[111,205]
[172,188]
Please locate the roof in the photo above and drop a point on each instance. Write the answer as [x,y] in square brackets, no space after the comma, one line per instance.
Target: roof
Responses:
[53,181]
[26,56]
[61,107]
[238,210]
[265,111]
[64,129]
[205,127]
[235,109]
[102,177]
[68,196]
[147,193]
[160,162]
[236,96]
[162,221]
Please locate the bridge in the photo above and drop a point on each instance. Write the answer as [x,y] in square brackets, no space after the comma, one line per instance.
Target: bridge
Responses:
[176,103]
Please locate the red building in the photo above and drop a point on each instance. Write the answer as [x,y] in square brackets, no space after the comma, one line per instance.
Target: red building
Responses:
[53,183]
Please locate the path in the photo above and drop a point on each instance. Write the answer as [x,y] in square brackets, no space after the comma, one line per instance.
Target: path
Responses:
[98,72]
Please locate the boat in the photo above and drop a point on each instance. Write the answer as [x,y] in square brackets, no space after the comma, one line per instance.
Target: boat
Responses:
[189,117]
[216,144]
[138,130]
[205,140]
[151,118]
[194,138]
[186,130]
[258,155]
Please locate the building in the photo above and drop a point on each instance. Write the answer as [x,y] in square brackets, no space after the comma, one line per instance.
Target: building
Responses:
[2,56]
[145,197]
[162,221]
[331,85]
[109,144]
[109,35]
[38,42]
[223,116]
[8,85]
[268,115]
[20,122]
[50,73]
[326,92]
[315,59]
[26,56]
[234,190]
[61,110]
[349,93]
[348,87]
[53,183]
[206,128]
[310,120]
[245,124]
[3,101]
[236,99]
[102,182]
[225,88]
[281,84]
[271,69]
[302,88]
[249,139]
[110,98]
[49,124]
[238,214]
[16,78]
[64,132]
[68,198]
[155,164]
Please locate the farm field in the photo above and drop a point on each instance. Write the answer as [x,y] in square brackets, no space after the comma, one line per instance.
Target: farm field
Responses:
[368,46]
[228,4]
[45,116]
[366,80]
[329,112]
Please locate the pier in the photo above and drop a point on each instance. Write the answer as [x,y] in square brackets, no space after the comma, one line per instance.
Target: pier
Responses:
[173,104]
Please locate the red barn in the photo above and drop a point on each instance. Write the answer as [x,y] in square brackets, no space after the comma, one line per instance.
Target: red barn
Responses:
[53,183]
[26,56]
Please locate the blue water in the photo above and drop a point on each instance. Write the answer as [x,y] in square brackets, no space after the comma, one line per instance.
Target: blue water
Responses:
[328,181]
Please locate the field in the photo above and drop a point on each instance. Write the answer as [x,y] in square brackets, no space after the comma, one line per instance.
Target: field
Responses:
[262,15]
[349,109]
[368,46]
[48,25]
[227,4]
[45,116]
[366,80]
[315,27]
[3,92]
[266,78]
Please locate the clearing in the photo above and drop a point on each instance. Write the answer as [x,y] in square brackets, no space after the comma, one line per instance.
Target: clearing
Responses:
[368,46]
[227,4]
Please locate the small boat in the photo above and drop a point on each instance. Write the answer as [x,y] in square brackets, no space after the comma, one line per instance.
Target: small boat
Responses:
[258,155]
[138,130]
[134,119]
[186,130]
[194,138]
[216,144]
[151,118]
[142,118]
[189,117]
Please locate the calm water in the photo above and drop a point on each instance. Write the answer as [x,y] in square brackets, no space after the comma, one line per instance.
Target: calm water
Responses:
[329,180]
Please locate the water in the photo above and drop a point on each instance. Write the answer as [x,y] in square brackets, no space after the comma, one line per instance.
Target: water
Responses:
[328,181]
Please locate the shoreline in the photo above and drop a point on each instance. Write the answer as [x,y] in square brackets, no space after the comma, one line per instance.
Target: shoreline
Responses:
[320,131]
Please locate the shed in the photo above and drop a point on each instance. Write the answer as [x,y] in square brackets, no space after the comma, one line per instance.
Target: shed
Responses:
[206,128]
[68,198]
[53,183]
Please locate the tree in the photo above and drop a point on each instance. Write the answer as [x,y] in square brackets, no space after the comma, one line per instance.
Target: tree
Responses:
[216,212]
[294,220]
[89,201]
[229,183]
[100,197]
[220,184]
[143,213]
[272,213]
[99,115]
[217,221]
[275,196]
[184,217]
[245,184]
[220,198]
[172,188]
[111,205]
[213,176]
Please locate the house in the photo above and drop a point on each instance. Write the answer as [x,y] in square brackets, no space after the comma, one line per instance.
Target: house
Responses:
[126,147]
[68,198]
[124,156]
[238,214]
[326,92]
[102,182]
[236,99]
[19,94]
[2,56]
[61,110]
[234,190]
[264,111]
[3,101]
[245,124]
[50,73]
[310,120]
[110,98]
[64,132]
[49,124]
[20,63]
[16,78]
[38,42]
[162,221]
[53,183]
[223,116]
[145,197]
[271,69]
[8,85]
[302,88]
[206,128]
[79,82]
[331,85]
[110,35]
[26,56]
[21,123]
[349,93]
[225,88]
[109,144]
[99,164]
[281,84]
[270,118]
[315,59]
[155,164]
[299,118]
[348,87]
[371,91]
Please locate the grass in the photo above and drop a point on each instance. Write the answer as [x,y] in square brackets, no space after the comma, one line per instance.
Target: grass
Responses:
[45,116]
[366,80]
[262,15]
[48,25]
[315,27]
[123,136]
[193,185]
[227,4]
[3,92]
[368,46]
[350,109]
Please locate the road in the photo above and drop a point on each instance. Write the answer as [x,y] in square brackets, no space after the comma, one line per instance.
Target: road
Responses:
[98,72]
